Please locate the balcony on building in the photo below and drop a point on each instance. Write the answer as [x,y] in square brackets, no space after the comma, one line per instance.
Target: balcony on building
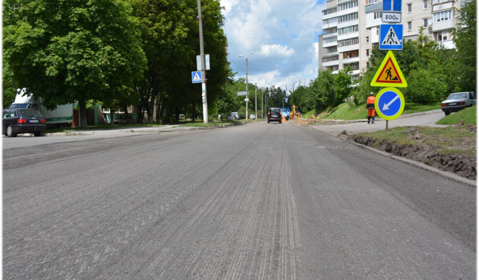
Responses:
[330,32]
[354,68]
[443,25]
[330,23]
[351,57]
[329,13]
[330,60]
[348,45]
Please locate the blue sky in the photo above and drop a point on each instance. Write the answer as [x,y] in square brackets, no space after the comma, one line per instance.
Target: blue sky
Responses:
[282,34]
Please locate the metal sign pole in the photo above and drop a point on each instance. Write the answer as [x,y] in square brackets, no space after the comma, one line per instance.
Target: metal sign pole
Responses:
[203,71]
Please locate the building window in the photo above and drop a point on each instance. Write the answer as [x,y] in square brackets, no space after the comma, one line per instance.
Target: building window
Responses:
[367,52]
[332,49]
[330,58]
[378,15]
[351,54]
[367,39]
[349,29]
[367,65]
[348,42]
[409,25]
[330,40]
[349,17]
[425,22]
[425,4]
[409,7]
[377,31]
[348,5]
[442,16]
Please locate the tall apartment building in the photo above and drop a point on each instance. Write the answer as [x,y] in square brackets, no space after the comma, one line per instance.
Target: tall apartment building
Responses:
[351,29]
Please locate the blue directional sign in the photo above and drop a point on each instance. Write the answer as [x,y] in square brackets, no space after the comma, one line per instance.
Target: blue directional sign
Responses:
[389,103]
[392,5]
[391,37]
[196,77]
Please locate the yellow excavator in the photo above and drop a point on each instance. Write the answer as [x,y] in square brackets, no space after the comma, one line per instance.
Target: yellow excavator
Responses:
[294,112]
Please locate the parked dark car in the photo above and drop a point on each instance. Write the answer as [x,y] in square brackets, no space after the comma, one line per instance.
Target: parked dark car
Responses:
[458,101]
[274,115]
[16,121]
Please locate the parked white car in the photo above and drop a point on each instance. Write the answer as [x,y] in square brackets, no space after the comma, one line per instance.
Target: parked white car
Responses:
[252,117]
[458,101]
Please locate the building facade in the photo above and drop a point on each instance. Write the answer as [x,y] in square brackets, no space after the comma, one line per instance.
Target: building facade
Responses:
[351,29]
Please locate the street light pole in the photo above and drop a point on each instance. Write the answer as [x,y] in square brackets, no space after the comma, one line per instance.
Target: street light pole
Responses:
[203,71]
[255,101]
[247,92]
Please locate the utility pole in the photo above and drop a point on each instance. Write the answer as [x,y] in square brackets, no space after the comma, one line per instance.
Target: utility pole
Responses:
[255,101]
[247,92]
[203,71]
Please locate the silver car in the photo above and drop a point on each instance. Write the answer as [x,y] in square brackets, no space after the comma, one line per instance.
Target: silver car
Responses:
[458,101]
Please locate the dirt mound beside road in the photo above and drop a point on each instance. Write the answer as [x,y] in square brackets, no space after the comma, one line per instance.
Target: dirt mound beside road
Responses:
[462,164]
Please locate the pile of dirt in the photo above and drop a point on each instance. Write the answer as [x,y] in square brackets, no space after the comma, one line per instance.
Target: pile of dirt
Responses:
[462,164]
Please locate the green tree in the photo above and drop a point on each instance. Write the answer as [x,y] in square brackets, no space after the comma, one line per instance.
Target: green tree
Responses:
[72,50]
[426,85]
[465,39]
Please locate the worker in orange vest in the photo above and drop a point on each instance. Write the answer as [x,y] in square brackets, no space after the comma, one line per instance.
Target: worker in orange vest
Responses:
[370,107]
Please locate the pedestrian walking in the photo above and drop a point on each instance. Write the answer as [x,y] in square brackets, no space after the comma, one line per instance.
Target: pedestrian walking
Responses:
[370,107]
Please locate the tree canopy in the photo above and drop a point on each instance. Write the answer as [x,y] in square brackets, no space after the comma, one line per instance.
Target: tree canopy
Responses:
[72,50]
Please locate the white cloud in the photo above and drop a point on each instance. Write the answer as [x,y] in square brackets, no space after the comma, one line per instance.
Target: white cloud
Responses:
[280,33]
[275,50]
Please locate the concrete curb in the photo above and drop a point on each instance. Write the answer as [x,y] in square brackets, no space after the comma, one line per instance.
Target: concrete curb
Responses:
[143,129]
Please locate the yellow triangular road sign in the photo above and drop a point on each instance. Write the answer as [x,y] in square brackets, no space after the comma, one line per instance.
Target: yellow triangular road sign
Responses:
[389,74]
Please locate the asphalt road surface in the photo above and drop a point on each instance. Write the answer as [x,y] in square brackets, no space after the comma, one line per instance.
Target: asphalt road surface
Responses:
[257,201]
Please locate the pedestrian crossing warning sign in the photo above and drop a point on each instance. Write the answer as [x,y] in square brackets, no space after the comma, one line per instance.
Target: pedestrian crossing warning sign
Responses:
[391,37]
[196,77]
[389,74]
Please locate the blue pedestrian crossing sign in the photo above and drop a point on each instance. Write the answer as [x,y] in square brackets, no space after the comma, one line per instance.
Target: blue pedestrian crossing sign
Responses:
[391,37]
[389,103]
[196,77]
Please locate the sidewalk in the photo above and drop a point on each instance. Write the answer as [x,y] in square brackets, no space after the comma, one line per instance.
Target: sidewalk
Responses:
[357,126]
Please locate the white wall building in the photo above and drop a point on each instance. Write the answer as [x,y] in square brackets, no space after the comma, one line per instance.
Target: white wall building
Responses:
[351,29]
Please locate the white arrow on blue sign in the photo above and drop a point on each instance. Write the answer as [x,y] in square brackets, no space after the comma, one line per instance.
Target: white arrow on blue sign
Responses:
[391,37]
[196,77]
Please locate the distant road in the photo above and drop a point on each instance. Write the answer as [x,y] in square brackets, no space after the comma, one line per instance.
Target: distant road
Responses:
[257,201]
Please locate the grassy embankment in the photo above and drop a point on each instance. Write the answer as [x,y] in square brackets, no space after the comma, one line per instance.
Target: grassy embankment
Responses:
[457,138]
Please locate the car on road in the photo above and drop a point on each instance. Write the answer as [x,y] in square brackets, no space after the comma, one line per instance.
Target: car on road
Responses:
[457,101]
[286,113]
[17,121]
[275,115]
[252,117]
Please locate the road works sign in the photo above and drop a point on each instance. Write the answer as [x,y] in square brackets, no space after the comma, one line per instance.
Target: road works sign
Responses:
[196,77]
[391,37]
[389,103]
[389,74]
